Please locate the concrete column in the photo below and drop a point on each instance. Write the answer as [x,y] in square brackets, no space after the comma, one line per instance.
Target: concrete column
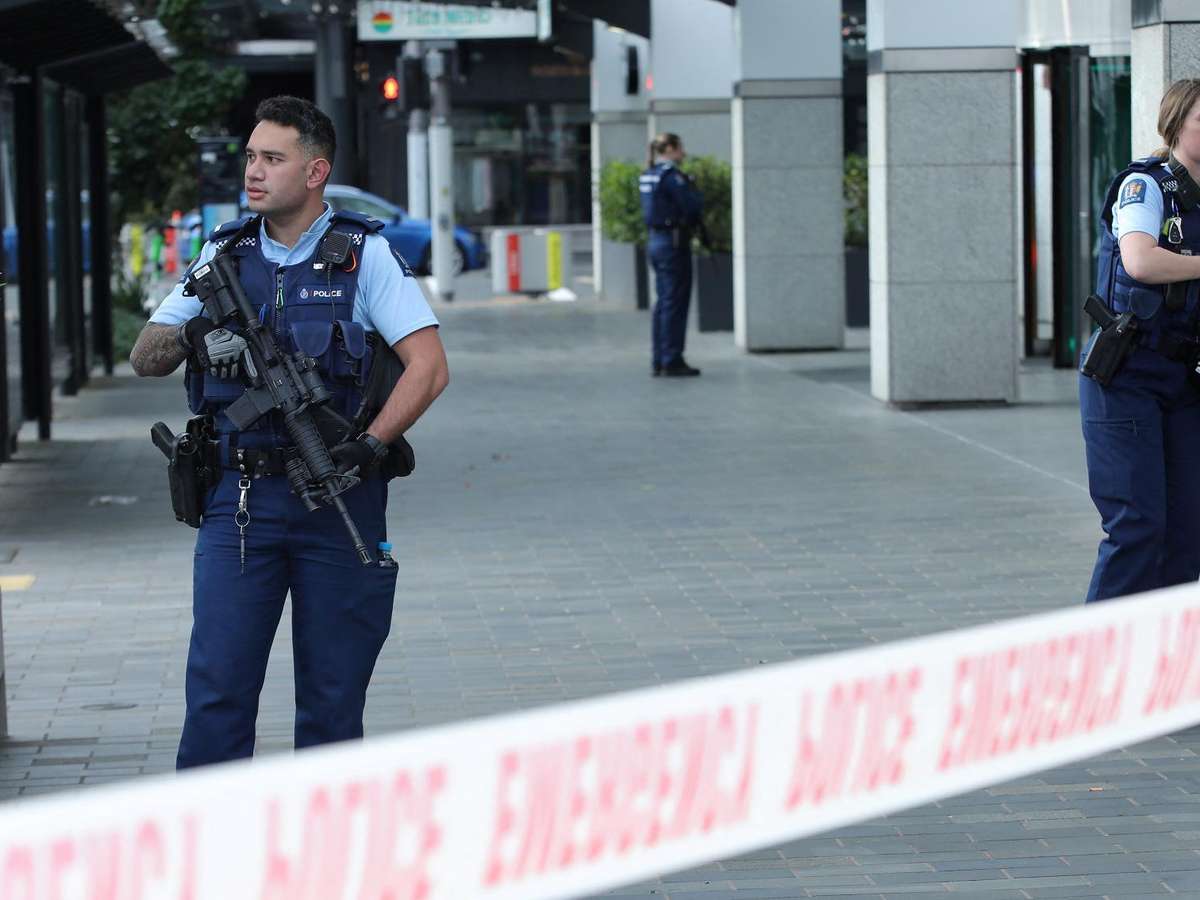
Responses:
[788,219]
[942,116]
[1166,47]
[620,104]
[692,69]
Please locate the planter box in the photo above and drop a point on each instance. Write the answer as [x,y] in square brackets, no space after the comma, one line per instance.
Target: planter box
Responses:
[641,274]
[714,292]
[858,287]
[618,278]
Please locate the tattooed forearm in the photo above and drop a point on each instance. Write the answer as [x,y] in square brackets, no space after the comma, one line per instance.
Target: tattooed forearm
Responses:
[156,351]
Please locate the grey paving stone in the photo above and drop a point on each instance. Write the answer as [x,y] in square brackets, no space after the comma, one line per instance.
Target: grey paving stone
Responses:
[575,528]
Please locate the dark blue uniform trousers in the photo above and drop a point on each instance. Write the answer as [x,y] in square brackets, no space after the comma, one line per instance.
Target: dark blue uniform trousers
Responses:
[1142,436]
[341,614]
[673,285]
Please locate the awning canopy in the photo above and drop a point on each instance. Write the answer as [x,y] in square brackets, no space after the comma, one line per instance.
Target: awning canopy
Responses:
[79,42]
[112,69]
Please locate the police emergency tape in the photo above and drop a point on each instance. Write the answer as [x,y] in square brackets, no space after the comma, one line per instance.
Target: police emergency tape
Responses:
[576,798]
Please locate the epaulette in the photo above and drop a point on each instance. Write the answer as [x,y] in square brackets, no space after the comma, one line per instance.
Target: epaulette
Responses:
[223,233]
[369,224]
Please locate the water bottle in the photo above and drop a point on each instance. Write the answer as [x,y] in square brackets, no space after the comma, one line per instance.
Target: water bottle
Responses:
[385,556]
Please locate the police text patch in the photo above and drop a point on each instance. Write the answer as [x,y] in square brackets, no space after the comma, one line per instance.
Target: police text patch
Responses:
[333,292]
[1133,192]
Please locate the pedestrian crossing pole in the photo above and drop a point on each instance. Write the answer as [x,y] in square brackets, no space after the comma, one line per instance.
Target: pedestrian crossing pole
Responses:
[418,163]
[418,132]
[441,173]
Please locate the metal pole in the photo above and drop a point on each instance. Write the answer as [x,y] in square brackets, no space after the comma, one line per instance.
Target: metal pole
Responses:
[441,173]
[418,164]
[331,71]
[70,270]
[36,378]
[101,236]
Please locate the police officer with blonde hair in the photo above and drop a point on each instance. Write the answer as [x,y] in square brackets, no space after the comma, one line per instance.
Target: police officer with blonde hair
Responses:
[1139,395]
[671,206]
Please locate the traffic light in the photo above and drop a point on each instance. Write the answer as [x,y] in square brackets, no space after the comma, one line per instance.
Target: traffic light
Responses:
[416,85]
[390,88]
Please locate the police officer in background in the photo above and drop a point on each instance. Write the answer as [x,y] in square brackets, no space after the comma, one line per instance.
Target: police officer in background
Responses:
[257,541]
[671,206]
[1141,429]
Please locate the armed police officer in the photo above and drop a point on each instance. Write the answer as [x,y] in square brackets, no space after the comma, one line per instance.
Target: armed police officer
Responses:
[671,205]
[328,287]
[1139,401]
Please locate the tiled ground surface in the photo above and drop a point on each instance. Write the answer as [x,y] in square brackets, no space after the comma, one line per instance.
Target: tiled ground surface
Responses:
[576,527]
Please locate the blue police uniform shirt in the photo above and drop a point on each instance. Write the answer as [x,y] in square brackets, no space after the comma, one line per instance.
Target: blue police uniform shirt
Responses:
[669,196]
[1139,206]
[388,300]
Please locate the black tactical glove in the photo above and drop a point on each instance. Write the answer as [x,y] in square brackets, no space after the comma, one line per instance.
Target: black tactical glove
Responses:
[360,456]
[217,351]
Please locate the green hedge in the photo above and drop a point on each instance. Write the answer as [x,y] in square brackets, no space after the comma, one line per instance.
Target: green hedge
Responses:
[854,191]
[621,207]
[714,178]
[128,312]
[126,328]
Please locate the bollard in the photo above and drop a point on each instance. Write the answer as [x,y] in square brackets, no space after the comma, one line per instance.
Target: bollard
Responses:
[529,260]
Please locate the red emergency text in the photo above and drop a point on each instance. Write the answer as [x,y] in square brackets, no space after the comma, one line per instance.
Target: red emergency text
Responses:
[389,825]
[853,740]
[152,858]
[604,795]
[1033,694]
[1176,676]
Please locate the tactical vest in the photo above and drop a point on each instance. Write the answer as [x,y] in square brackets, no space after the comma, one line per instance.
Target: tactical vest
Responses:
[1165,312]
[310,308]
[657,209]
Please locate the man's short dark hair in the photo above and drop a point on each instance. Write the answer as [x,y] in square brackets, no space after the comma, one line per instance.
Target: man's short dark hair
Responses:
[317,137]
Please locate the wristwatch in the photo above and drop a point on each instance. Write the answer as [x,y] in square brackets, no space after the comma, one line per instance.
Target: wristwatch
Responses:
[378,447]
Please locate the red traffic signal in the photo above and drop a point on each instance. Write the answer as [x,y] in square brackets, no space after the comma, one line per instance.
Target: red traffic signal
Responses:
[390,88]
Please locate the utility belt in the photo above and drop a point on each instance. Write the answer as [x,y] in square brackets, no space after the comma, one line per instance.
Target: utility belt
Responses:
[1120,334]
[198,456]
[1174,346]
[255,462]
[680,234]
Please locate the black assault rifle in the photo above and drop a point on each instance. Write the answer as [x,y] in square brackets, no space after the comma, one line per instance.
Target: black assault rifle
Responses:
[290,384]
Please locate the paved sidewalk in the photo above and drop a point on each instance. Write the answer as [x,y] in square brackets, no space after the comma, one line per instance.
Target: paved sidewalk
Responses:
[576,527]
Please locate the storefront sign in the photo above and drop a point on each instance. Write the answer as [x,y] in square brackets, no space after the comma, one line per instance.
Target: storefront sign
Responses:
[391,20]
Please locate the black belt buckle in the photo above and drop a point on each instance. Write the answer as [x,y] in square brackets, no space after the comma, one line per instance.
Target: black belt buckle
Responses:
[256,461]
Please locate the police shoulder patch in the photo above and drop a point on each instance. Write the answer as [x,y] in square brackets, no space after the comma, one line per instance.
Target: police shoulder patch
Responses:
[404,266]
[1133,192]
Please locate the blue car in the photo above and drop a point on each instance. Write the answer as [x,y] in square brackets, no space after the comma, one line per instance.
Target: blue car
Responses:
[10,251]
[10,254]
[9,239]
[411,238]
